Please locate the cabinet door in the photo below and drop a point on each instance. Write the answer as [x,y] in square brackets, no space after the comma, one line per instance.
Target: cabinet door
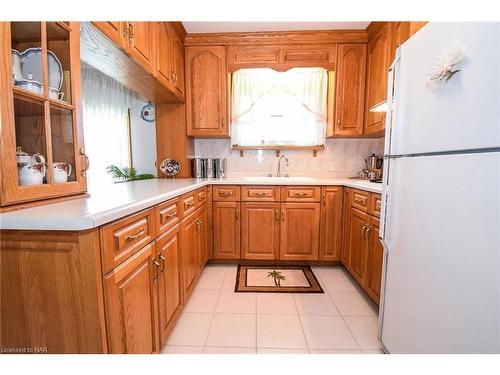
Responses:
[140,43]
[331,224]
[130,291]
[376,254]
[114,30]
[400,34]
[206,78]
[164,69]
[344,258]
[202,239]
[226,219]
[260,228]
[189,252]
[379,60]
[299,231]
[177,47]
[357,244]
[350,90]
[169,293]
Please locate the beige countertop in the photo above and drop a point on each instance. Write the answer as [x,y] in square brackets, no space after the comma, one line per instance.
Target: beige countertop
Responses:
[119,200]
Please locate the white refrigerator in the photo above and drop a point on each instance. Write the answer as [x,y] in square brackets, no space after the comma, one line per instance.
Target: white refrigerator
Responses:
[440,223]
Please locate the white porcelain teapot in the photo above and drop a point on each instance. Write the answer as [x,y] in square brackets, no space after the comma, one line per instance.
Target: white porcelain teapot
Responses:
[31,168]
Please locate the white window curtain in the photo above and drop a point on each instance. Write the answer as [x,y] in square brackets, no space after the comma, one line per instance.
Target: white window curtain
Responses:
[105,124]
[279,108]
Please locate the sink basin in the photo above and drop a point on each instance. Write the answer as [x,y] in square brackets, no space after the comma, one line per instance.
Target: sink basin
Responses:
[279,179]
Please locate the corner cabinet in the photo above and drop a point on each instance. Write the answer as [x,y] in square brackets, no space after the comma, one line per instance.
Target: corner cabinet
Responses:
[347,120]
[42,149]
[206,92]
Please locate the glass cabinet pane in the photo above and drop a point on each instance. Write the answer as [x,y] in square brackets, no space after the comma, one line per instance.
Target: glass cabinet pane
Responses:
[30,141]
[63,152]
[27,72]
[58,62]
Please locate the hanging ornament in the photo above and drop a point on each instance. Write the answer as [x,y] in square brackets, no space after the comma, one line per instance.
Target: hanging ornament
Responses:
[446,66]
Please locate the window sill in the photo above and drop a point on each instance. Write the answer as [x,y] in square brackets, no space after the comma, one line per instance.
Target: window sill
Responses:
[278,148]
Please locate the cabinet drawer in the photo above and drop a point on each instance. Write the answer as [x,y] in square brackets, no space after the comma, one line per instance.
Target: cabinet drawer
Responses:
[300,194]
[226,193]
[188,202]
[126,236]
[201,196]
[375,204]
[359,199]
[168,214]
[260,193]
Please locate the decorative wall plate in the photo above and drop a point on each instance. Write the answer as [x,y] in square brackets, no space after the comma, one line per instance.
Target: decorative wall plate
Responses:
[170,167]
[148,112]
[31,62]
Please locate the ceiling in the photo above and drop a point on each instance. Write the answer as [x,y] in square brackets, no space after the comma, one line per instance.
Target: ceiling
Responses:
[225,27]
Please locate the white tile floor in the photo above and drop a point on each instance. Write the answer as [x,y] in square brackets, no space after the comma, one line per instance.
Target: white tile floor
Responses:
[216,320]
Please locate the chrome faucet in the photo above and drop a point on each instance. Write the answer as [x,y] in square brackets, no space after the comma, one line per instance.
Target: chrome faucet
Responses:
[278,174]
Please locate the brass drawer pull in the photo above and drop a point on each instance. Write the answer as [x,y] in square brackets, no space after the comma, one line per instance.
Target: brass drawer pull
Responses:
[378,205]
[131,237]
[162,258]
[260,193]
[202,197]
[171,214]
[237,214]
[359,199]
[188,204]
[282,216]
[298,194]
[276,216]
[226,193]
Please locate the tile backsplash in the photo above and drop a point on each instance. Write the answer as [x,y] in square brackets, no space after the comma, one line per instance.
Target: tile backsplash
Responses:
[340,158]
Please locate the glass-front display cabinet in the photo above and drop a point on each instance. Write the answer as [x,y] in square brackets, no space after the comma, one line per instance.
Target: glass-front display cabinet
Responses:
[41,147]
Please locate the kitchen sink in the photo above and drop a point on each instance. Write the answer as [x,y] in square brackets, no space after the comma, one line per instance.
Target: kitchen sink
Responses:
[271,179]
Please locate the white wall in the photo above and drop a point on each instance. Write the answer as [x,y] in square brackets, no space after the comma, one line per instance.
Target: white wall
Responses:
[341,158]
[143,135]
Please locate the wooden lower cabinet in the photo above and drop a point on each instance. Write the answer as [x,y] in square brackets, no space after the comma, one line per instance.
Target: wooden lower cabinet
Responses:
[375,259]
[331,223]
[299,231]
[189,252]
[357,244]
[260,230]
[131,307]
[202,241]
[169,296]
[226,218]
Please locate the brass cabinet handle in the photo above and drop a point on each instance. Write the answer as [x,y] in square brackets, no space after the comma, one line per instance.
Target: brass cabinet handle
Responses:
[202,197]
[225,193]
[276,216]
[157,272]
[324,199]
[131,237]
[223,123]
[237,214]
[131,34]
[170,214]
[378,205]
[125,30]
[368,230]
[363,231]
[188,204]
[82,153]
[260,193]
[282,216]
[298,194]
[359,199]
[338,121]
[162,258]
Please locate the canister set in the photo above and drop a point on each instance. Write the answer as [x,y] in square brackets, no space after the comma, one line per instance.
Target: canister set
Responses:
[209,167]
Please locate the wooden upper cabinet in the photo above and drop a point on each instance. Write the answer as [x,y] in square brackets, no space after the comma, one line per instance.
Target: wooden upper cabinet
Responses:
[400,34]
[131,308]
[141,42]
[240,57]
[331,224]
[226,223]
[169,288]
[349,92]
[260,230]
[177,48]
[115,31]
[163,68]
[299,231]
[324,56]
[378,62]
[416,25]
[206,91]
